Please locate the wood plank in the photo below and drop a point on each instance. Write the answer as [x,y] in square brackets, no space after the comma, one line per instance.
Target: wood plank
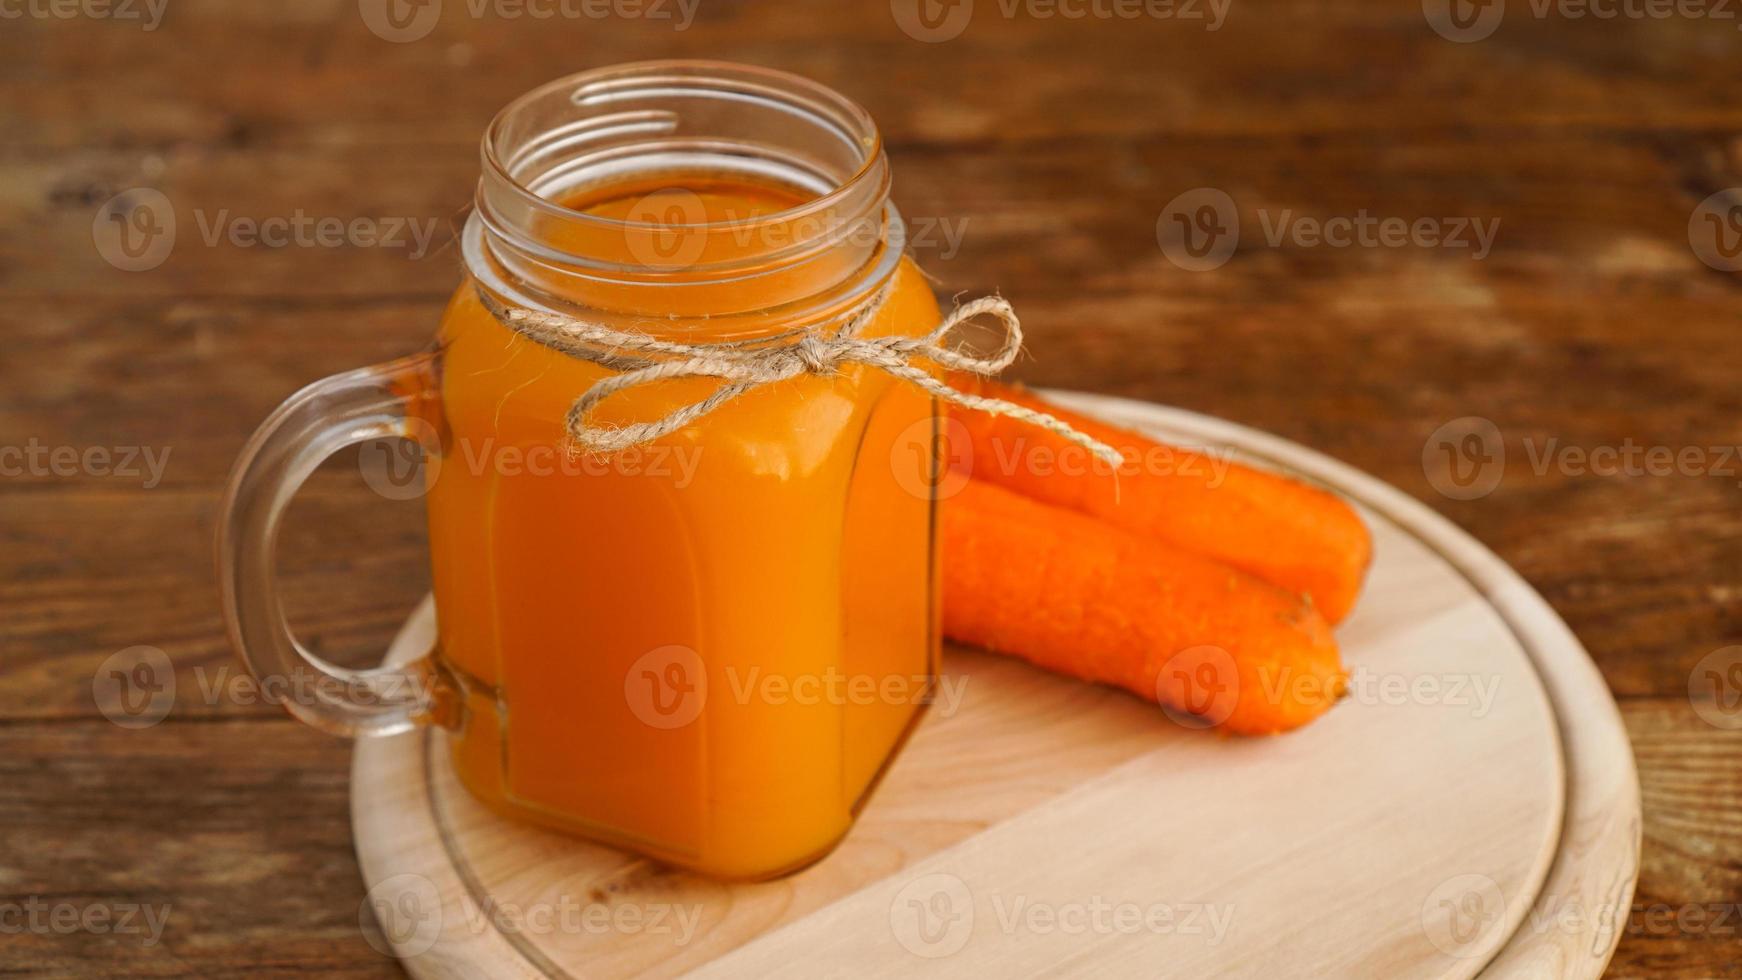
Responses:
[1684,919]
[239,829]
[1263,72]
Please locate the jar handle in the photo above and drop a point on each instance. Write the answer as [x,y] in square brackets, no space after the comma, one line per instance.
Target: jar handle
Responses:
[333,413]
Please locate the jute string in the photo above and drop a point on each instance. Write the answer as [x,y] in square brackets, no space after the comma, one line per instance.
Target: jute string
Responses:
[642,359]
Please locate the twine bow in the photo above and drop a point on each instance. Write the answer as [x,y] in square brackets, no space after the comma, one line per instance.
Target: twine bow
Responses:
[643,359]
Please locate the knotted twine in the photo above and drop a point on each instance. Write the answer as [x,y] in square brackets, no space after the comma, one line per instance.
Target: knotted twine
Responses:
[643,359]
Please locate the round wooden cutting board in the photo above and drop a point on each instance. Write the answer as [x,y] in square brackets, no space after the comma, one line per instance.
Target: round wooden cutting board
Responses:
[1471,809]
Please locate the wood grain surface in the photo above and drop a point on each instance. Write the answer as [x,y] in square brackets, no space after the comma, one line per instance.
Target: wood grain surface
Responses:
[1053,145]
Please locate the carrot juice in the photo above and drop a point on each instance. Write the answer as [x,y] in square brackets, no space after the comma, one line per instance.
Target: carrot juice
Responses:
[706,648]
[706,644]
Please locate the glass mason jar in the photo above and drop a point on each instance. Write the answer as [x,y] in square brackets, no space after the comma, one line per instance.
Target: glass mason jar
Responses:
[705,648]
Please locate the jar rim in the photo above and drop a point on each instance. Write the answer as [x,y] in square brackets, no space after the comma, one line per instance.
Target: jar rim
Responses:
[594,128]
[631,77]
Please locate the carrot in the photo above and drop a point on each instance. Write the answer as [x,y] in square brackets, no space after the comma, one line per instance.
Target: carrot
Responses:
[1281,530]
[1214,646]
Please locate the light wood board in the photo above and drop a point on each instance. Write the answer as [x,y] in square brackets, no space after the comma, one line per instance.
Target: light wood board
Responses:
[1471,809]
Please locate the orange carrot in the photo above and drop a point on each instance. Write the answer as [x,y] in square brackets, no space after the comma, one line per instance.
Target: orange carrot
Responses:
[1081,597]
[1281,530]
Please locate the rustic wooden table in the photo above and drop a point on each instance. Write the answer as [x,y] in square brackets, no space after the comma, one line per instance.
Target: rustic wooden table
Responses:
[1041,153]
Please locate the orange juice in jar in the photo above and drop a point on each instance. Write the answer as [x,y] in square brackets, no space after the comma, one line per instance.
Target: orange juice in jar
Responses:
[708,645]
